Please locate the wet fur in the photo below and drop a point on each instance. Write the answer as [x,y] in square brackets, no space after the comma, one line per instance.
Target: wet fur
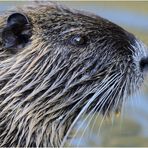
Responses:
[46,86]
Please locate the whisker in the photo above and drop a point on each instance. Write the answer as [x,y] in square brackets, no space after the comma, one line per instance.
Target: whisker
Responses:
[102,100]
[108,97]
[83,110]
[124,91]
[106,112]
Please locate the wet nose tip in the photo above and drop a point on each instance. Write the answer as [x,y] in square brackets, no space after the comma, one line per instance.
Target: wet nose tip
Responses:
[144,64]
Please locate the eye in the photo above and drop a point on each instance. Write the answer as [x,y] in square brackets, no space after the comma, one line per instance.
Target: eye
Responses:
[78,40]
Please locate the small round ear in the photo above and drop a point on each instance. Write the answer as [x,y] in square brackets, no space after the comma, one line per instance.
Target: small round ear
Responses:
[17,18]
[17,32]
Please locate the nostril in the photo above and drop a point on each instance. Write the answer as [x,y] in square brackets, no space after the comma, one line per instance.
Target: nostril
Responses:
[144,64]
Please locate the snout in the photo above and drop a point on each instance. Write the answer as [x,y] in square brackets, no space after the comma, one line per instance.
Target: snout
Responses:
[144,64]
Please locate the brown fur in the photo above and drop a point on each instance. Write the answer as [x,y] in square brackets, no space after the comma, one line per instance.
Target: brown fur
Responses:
[47,85]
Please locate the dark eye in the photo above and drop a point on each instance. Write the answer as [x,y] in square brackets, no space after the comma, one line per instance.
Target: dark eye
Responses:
[78,40]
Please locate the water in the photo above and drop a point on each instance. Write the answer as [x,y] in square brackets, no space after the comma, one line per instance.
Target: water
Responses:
[132,128]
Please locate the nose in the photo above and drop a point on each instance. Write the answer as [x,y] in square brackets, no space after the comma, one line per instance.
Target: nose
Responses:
[144,64]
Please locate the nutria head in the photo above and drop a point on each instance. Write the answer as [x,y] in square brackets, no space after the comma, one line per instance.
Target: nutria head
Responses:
[55,65]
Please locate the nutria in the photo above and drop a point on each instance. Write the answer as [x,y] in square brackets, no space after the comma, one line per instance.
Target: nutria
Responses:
[55,65]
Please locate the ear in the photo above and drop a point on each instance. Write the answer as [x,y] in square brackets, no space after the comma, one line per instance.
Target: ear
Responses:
[17,32]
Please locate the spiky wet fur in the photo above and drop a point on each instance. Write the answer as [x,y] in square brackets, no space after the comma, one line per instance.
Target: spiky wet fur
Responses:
[47,86]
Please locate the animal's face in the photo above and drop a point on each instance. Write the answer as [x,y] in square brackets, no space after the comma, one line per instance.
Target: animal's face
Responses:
[89,53]
[56,64]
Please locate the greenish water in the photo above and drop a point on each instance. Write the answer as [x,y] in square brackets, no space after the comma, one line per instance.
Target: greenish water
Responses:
[131,128]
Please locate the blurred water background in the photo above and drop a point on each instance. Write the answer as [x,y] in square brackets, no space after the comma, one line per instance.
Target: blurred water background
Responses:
[131,127]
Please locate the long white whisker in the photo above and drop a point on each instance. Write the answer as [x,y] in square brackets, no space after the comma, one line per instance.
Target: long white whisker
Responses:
[106,111]
[102,100]
[82,111]
[124,86]
[106,99]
